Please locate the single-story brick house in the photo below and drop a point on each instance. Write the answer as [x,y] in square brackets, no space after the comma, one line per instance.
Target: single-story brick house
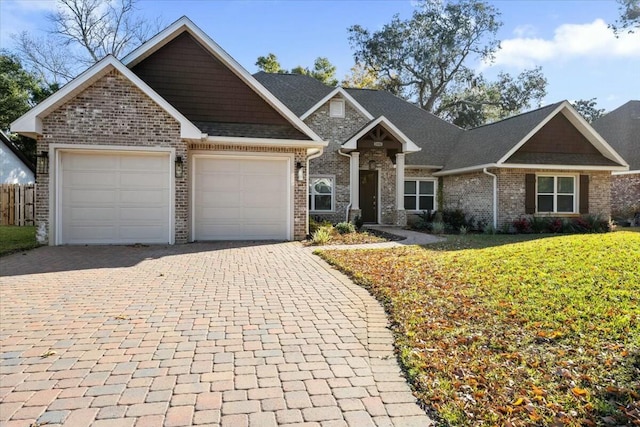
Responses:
[621,129]
[177,142]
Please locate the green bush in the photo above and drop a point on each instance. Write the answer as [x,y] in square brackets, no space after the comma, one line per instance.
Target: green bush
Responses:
[437,227]
[322,235]
[316,225]
[358,222]
[345,228]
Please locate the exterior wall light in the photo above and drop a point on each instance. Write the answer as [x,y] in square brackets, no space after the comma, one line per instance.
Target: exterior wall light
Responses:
[300,169]
[179,170]
[42,167]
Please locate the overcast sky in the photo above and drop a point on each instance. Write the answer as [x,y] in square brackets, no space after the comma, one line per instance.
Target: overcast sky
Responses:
[579,55]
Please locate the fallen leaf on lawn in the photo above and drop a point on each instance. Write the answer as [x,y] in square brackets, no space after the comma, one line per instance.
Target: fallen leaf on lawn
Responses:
[580,392]
[518,402]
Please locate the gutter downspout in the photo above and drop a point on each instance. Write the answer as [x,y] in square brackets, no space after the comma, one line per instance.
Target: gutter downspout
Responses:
[346,219]
[495,197]
[311,157]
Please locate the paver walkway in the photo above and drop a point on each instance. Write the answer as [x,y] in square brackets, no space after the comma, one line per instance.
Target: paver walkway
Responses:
[201,334]
[410,237]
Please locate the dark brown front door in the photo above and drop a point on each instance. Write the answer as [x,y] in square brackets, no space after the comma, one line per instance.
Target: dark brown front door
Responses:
[369,196]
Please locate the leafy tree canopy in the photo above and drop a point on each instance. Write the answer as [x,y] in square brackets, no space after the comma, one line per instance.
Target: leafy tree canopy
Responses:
[323,70]
[588,109]
[629,16]
[428,57]
[19,91]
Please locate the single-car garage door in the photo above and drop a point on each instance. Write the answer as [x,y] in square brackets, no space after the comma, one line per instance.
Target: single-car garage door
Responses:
[241,198]
[114,198]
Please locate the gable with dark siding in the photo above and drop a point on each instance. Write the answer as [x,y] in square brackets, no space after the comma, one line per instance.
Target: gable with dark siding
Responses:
[203,89]
[559,142]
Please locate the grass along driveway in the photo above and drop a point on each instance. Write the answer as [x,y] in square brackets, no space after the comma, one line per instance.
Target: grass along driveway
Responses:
[14,239]
[538,332]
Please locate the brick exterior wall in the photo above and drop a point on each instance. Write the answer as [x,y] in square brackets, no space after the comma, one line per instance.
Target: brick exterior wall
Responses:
[511,192]
[335,131]
[625,195]
[115,112]
[472,192]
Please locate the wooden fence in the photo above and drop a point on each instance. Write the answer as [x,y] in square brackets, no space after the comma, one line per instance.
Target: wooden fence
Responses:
[16,204]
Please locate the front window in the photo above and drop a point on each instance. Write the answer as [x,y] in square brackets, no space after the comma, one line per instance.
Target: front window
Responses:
[556,194]
[419,195]
[321,193]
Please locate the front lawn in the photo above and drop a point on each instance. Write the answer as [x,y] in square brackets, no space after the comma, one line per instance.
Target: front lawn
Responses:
[537,332]
[14,239]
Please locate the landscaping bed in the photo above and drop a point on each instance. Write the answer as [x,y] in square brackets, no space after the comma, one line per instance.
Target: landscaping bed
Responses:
[514,330]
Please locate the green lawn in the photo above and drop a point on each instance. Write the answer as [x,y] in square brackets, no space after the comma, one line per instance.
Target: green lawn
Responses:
[14,239]
[514,330]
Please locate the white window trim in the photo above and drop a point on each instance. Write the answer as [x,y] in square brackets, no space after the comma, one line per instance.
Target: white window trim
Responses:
[576,192]
[417,194]
[342,108]
[333,193]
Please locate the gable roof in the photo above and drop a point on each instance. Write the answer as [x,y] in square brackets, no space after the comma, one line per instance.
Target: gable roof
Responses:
[407,144]
[433,135]
[30,124]
[183,25]
[15,150]
[621,129]
[492,145]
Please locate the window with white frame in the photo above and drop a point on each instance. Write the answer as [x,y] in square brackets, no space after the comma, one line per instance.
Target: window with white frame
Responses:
[420,194]
[336,108]
[321,193]
[556,194]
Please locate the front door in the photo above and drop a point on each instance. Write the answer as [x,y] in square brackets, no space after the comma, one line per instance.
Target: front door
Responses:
[369,196]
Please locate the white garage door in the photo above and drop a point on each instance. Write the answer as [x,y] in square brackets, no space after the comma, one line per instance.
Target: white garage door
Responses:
[241,198]
[114,198]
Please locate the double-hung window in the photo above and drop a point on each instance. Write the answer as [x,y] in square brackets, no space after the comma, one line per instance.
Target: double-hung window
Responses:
[419,194]
[321,193]
[556,194]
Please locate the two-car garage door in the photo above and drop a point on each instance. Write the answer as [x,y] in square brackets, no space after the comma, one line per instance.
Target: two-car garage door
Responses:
[118,197]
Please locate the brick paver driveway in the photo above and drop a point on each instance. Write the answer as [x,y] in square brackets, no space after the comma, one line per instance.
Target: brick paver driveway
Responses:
[219,334]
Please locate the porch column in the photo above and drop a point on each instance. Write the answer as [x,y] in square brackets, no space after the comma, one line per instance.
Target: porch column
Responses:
[400,181]
[355,180]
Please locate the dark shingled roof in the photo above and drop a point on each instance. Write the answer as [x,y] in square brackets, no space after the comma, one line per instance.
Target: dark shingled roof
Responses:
[621,129]
[299,93]
[435,136]
[250,130]
[489,143]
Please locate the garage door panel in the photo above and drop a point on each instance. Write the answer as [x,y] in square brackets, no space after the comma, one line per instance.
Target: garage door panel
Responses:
[80,214]
[224,198]
[82,197]
[89,178]
[149,197]
[241,198]
[115,198]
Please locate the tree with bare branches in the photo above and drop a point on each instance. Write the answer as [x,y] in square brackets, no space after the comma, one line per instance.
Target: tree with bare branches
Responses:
[82,32]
